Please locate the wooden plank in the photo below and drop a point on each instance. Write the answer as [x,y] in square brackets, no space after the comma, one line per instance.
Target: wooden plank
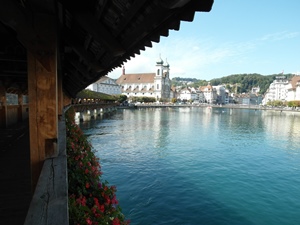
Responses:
[49,205]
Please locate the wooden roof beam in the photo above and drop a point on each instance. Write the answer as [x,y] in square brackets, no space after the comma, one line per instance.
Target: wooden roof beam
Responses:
[137,5]
[171,4]
[100,33]
[87,57]
[80,68]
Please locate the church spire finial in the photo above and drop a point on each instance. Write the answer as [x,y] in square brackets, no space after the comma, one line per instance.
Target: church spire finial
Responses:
[159,60]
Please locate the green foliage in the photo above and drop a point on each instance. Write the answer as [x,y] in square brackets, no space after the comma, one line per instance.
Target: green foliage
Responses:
[95,95]
[91,200]
[164,100]
[174,100]
[200,83]
[235,83]
[245,82]
[294,104]
[122,98]
[143,99]
[177,81]
[276,103]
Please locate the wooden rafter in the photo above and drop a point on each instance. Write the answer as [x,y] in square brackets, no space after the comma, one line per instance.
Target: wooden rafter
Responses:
[88,57]
[137,5]
[100,33]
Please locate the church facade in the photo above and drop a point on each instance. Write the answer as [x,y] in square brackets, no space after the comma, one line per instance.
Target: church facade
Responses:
[156,85]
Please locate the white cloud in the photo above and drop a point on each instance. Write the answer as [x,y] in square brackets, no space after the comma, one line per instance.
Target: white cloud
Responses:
[200,58]
[279,36]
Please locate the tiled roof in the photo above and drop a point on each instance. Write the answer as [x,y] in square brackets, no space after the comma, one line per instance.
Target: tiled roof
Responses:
[206,88]
[294,81]
[136,78]
[102,79]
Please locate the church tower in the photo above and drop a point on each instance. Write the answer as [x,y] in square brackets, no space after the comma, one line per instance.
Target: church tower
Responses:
[162,84]
[158,78]
[159,66]
[166,81]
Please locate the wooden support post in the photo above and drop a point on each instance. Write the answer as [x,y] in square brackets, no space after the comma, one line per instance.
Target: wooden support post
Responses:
[42,91]
[60,95]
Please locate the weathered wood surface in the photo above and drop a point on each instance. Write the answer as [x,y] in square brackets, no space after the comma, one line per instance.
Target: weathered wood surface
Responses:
[49,205]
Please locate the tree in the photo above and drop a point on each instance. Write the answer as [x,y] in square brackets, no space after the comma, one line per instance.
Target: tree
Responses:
[122,98]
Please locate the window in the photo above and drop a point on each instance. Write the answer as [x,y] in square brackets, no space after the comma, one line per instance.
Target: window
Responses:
[11,99]
[158,72]
[157,87]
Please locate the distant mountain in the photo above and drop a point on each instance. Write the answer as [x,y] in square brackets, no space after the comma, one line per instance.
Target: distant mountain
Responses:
[240,82]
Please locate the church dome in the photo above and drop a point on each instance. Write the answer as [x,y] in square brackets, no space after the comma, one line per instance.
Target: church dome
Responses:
[159,61]
[166,64]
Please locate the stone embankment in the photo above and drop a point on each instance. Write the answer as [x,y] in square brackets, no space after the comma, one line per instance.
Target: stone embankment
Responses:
[231,106]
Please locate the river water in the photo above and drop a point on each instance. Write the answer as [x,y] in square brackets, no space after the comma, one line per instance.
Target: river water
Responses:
[198,165]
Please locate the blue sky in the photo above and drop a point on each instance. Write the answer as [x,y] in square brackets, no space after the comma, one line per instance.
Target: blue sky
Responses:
[236,36]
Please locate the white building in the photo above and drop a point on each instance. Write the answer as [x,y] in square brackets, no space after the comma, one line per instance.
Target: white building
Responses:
[188,94]
[210,93]
[278,90]
[255,90]
[107,85]
[293,89]
[156,85]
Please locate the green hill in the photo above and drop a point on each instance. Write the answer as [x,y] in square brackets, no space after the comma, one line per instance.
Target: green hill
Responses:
[236,82]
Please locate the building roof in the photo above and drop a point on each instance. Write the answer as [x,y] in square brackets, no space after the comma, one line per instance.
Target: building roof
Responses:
[136,78]
[206,88]
[94,37]
[294,81]
[102,79]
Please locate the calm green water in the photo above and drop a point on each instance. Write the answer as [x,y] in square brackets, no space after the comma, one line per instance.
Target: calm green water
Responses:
[202,166]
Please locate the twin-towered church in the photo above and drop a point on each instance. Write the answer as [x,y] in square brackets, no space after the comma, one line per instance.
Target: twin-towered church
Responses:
[156,85]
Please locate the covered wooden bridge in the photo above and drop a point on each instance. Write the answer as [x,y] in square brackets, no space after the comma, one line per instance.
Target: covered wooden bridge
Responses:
[49,51]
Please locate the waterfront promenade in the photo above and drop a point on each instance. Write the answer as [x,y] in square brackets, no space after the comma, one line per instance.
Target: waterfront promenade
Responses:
[229,106]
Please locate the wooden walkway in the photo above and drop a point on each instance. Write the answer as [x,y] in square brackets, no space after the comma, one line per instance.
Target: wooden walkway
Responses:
[15,188]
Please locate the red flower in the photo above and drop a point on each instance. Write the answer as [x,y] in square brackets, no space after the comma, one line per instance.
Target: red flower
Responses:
[116,221]
[102,208]
[88,221]
[87,185]
[114,200]
[81,200]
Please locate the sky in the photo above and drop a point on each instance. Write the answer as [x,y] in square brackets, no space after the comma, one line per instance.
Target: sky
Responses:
[235,37]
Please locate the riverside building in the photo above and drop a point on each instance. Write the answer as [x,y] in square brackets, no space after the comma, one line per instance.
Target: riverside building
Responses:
[283,89]
[107,85]
[156,85]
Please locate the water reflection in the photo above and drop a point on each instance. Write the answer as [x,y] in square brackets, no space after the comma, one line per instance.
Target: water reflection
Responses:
[284,127]
[219,166]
